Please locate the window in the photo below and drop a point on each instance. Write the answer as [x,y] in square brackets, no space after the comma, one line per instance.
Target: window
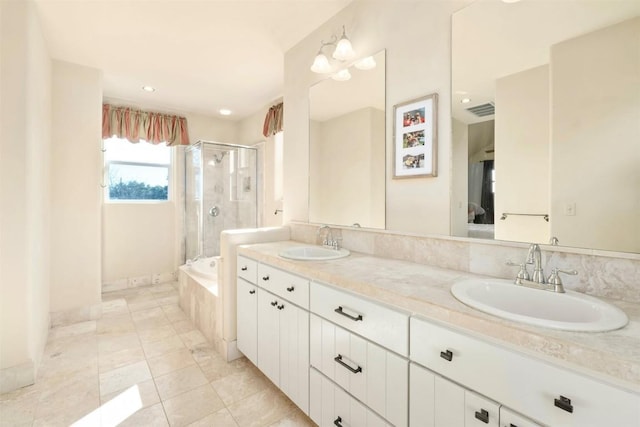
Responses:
[136,172]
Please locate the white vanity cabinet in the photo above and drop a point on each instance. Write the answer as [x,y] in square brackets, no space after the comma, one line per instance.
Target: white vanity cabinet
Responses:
[353,345]
[247,269]
[438,402]
[273,331]
[333,407]
[547,393]
[247,331]
[283,346]
[370,373]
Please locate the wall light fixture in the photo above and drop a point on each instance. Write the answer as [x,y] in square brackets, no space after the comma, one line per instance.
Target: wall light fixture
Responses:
[343,52]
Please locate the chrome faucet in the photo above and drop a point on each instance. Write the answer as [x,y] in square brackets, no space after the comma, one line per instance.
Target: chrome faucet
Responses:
[537,280]
[534,256]
[329,240]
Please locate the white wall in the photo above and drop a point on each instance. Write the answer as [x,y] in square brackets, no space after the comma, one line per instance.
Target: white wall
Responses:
[250,133]
[413,70]
[25,120]
[606,97]
[522,154]
[345,185]
[76,175]
[138,240]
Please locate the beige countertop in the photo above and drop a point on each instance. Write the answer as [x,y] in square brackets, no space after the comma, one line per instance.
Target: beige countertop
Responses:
[425,291]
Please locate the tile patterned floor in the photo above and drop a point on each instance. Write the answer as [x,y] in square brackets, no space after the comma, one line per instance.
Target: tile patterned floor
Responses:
[144,350]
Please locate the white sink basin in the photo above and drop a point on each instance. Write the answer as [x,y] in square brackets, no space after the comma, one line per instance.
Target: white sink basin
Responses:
[313,253]
[571,311]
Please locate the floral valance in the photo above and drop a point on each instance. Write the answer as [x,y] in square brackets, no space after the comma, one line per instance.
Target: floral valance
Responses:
[273,120]
[136,125]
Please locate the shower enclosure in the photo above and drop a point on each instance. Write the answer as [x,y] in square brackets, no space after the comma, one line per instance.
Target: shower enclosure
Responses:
[220,194]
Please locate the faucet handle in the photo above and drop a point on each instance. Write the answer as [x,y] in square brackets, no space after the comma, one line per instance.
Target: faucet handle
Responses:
[555,280]
[554,277]
[523,274]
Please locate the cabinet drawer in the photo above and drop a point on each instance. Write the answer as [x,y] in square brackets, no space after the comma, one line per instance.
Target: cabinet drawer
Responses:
[330,406]
[480,411]
[371,374]
[438,402]
[286,285]
[542,391]
[508,418]
[383,325]
[247,269]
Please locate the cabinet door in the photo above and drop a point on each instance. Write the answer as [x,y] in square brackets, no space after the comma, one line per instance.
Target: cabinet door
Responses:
[449,403]
[269,336]
[294,353]
[247,312]
[421,397]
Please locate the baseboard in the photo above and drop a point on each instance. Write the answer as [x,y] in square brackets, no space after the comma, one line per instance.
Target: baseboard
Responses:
[16,377]
[76,315]
[135,282]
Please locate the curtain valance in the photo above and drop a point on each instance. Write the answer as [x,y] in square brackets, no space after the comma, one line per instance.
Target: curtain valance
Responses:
[273,120]
[134,125]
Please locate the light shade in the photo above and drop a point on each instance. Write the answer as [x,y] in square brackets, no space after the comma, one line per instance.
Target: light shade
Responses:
[342,75]
[367,63]
[321,64]
[344,50]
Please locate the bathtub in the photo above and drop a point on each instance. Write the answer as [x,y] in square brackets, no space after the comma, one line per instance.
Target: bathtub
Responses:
[206,268]
[200,299]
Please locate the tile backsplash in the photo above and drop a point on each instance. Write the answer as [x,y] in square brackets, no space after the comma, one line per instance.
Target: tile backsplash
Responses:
[602,274]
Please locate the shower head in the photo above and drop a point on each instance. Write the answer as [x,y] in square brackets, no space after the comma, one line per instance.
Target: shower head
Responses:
[217,159]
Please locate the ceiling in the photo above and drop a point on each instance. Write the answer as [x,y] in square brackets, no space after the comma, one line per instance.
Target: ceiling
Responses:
[200,56]
[493,39]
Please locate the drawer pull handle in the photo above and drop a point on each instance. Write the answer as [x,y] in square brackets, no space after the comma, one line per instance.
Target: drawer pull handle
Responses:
[274,303]
[338,359]
[483,416]
[338,422]
[252,291]
[281,306]
[564,404]
[244,268]
[290,289]
[446,355]
[265,278]
[339,310]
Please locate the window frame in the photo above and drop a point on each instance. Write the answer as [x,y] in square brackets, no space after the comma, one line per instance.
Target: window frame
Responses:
[168,166]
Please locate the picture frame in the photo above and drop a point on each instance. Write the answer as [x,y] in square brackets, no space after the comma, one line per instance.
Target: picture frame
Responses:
[415,136]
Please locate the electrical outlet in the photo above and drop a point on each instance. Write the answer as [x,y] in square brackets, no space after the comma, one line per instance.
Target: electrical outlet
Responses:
[570,209]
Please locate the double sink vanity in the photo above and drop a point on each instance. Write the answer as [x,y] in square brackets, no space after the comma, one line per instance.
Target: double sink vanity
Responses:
[357,340]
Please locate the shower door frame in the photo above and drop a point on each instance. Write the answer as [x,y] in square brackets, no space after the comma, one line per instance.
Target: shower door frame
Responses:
[200,143]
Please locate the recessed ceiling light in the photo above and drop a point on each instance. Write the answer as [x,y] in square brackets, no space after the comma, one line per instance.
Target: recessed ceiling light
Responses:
[148,88]
[225,112]
[465,100]
[510,1]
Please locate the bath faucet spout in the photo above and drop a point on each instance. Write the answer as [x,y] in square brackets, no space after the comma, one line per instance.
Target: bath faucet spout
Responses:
[534,257]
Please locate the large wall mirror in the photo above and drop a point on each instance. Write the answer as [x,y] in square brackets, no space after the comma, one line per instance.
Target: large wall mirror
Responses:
[546,122]
[347,146]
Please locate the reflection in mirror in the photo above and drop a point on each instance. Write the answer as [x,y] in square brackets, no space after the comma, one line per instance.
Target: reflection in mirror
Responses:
[546,122]
[347,148]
